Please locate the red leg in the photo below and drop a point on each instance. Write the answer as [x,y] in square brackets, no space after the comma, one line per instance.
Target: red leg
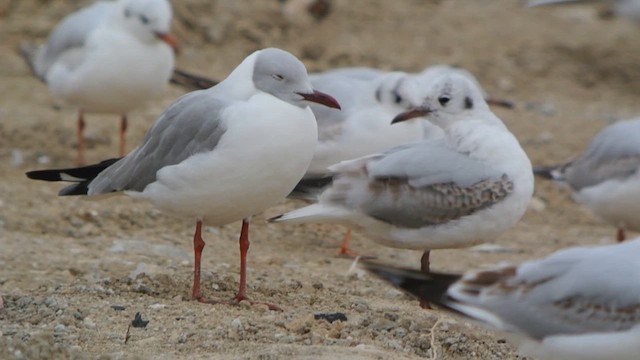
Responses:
[344,247]
[123,131]
[344,250]
[198,246]
[80,134]
[620,235]
[425,267]
[244,249]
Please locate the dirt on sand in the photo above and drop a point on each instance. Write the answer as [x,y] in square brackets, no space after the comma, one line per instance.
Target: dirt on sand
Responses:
[73,273]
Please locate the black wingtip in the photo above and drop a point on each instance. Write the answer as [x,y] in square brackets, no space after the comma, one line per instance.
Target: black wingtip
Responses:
[45,175]
[431,287]
[191,81]
[275,218]
[545,172]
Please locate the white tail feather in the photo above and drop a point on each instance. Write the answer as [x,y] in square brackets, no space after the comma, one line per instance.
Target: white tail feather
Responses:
[318,213]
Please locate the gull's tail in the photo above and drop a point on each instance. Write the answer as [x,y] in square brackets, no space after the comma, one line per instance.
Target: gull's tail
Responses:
[81,176]
[30,54]
[318,213]
[431,287]
[555,172]
[191,81]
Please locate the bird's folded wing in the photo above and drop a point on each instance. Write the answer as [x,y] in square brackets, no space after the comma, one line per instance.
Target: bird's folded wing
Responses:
[191,125]
[419,184]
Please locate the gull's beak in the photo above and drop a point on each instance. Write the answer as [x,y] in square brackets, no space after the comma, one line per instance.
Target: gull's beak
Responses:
[321,98]
[418,111]
[169,39]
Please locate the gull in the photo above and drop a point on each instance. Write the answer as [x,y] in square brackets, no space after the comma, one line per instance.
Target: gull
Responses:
[605,178]
[460,189]
[362,127]
[218,155]
[431,73]
[629,9]
[581,303]
[108,57]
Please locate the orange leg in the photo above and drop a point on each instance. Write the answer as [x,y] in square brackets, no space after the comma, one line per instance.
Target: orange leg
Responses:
[620,236]
[344,250]
[123,132]
[198,246]
[80,134]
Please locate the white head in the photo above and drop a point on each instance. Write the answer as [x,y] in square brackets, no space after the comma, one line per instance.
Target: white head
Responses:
[282,75]
[397,91]
[148,20]
[450,98]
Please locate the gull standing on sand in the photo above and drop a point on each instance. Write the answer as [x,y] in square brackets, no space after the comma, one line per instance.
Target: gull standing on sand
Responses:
[581,303]
[108,57]
[606,177]
[458,190]
[218,155]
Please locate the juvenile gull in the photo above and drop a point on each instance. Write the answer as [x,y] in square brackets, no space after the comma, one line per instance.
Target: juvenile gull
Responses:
[581,303]
[108,57]
[362,127]
[606,176]
[461,189]
[218,155]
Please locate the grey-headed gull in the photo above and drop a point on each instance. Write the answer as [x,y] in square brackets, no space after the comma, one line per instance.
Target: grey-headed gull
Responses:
[629,9]
[606,176]
[108,57]
[581,303]
[458,190]
[218,155]
[362,127]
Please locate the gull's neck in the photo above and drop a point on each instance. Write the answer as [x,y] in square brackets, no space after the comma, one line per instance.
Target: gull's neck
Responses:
[239,84]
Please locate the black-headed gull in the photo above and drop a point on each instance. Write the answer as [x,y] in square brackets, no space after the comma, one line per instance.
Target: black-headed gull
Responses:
[433,72]
[581,303]
[108,57]
[218,155]
[458,190]
[362,127]
[606,176]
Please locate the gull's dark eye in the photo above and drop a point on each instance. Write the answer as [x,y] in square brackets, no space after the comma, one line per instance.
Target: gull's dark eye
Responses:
[127,13]
[397,98]
[444,100]
[144,19]
[278,77]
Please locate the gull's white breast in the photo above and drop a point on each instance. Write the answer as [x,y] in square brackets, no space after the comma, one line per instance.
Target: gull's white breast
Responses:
[264,152]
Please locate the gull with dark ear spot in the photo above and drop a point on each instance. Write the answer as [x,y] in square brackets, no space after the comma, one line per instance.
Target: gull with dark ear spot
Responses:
[581,303]
[605,178]
[361,128]
[219,155]
[431,73]
[458,190]
[109,57]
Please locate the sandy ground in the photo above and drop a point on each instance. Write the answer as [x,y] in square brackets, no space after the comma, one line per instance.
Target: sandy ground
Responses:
[64,263]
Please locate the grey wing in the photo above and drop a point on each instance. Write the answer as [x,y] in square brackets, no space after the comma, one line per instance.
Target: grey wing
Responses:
[191,125]
[612,154]
[421,184]
[71,33]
